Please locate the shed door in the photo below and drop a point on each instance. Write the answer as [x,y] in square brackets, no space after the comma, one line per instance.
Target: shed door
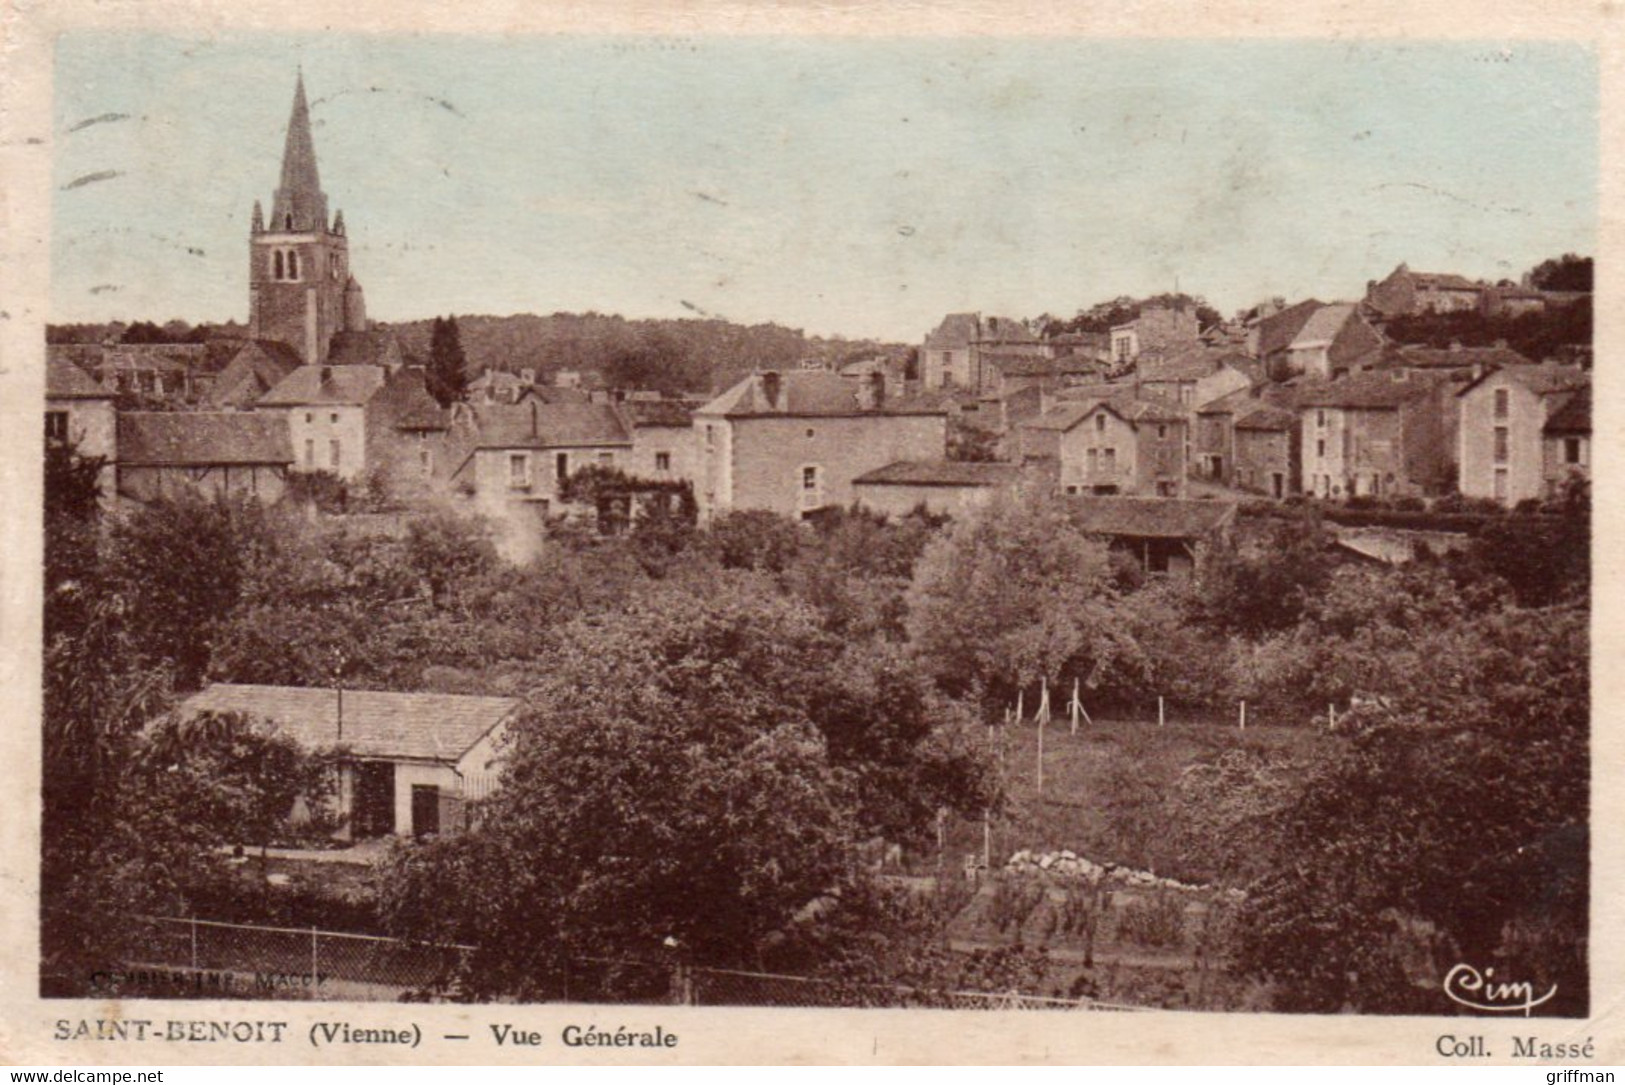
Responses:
[425,809]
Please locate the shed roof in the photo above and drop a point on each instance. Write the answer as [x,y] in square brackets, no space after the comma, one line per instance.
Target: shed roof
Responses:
[202,439]
[1573,415]
[533,424]
[941,473]
[1150,517]
[1369,390]
[1276,332]
[399,726]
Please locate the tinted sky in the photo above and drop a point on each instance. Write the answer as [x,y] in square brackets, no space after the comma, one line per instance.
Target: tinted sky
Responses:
[860,187]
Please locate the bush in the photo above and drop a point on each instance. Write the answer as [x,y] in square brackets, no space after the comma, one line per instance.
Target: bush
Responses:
[1157,920]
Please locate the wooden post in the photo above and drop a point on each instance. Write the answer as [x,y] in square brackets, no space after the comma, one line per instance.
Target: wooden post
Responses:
[1331,716]
[1243,715]
[1161,718]
[987,840]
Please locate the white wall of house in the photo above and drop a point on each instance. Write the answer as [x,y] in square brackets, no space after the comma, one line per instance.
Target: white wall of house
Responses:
[1100,450]
[1509,468]
[671,446]
[329,438]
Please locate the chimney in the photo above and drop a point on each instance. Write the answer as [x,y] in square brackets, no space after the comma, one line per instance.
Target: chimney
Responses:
[877,387]
[535,429]
[771,382]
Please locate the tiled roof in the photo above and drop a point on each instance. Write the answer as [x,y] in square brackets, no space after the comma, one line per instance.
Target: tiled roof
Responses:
[64,380]
[941,473]
[403,726]
[1150,517]
[1415,357]
[406,404]
[1543,379]
[961,329]
[257,367]
[807,392]
[670,413]
[1369,390]
[1323,325]
[1188,364]
[1574,415]
[1445,281]
[1275,333]
[1262,416]
[364,348]
[551,425]
[1069,413]
[323,385]
[202,438]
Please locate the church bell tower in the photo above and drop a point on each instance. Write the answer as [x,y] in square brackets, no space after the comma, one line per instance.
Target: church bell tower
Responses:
[299,283]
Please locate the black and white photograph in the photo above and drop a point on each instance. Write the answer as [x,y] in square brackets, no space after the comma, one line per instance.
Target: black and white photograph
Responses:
[1029,522]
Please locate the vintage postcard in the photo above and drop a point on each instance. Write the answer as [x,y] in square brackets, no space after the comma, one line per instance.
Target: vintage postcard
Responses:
[673,534]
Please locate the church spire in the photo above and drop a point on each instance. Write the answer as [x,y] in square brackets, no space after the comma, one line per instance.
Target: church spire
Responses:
[299,205]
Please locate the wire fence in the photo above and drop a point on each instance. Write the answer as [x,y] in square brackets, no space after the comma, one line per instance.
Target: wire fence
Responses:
[288,962]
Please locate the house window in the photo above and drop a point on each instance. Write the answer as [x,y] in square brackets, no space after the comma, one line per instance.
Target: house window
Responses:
[561,466]
[1571,450]
[518,471]
[1320,419]
[56,427]
[1100,423]
[293,265]
[1501,444]
[309,418]
[276,264]
[1108,460]
[333,418]
[333,454]
[1320,449]
[1500,484]
[710,436]
[1072,489]
[606,459]
[809,478]
[662,461]
[1094,460]
[310,453]
[426,461]
[809,433]
[1502,402]
[1162,432]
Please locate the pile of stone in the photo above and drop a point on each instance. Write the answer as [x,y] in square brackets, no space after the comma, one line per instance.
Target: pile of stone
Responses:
[1067,864]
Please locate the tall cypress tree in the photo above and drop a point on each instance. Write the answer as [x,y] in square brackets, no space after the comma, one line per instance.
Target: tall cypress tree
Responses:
[448,375]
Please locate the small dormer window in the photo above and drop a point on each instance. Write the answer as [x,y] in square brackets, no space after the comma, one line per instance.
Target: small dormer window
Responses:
[1100,423]
[287,221]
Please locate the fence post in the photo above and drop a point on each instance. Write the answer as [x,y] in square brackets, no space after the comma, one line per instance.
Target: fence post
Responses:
[1243,715]
[193,925]
[1161,719]
[1331,716]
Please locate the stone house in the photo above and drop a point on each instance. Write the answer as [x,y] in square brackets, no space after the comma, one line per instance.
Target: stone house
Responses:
[525,451]
[1171,537]
[168,454]
[258,366]
[663,446]
[1192,377]
[80,414]
[1334,340]
[411,760]
[940,487]
[1374,434]
[1267,451]
[1502,431]
[351,420]
[792,442]
[1567,439]
[1121,445]
[1157,328]
[955,352]
[1407,293]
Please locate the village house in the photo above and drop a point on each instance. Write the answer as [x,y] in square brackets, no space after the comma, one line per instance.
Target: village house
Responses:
[1503,438]
[1193,376]
[1408,293]
[79,411]
[1267,451]
[1334,340]
[168,454]
[1568,443]
[500,385]
[351,420]
[149,374]
[1271,333]
[1157,328]
[954,352]
[1374,434]
[411,761]
[792,442]
[525,451]
[663,447]
[1172,537]
[939,487]
[256,368]
[1121,445]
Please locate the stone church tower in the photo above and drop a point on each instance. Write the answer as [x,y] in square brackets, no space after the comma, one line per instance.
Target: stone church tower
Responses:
[299,283]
